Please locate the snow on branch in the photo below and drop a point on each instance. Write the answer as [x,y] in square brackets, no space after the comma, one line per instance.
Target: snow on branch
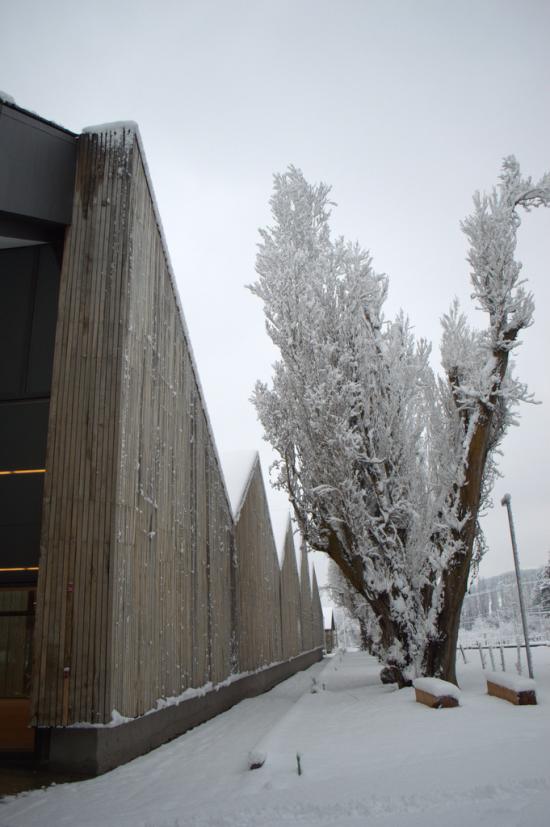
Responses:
[386,467]
[492,233]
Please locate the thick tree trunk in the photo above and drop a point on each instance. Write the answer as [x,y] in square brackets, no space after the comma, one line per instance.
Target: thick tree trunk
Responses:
[440,658]
[440,654]
[366,641]
[391,631]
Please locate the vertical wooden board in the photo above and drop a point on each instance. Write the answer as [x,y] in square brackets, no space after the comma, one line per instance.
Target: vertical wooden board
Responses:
[73,591]
[140,520]
[276,627]
[317,634]
[258,590]
[305,602]
[110,299]
[187,560]
[202,596]
[220,569]
[176,608]
[48,630]
[290,600]
[88,579]
[247,550]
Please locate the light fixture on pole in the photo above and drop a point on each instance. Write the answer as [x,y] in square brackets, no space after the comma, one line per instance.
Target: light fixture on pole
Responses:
[507,501]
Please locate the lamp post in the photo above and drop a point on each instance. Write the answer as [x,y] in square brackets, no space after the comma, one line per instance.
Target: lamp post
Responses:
[507,501]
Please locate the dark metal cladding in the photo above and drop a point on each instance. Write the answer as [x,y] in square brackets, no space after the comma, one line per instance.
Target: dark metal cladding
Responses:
[38,167]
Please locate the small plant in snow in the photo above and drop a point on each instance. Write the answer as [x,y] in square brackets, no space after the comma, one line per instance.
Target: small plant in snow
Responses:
[256,759]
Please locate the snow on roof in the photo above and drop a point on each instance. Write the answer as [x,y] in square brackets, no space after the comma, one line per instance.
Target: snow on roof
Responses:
[7,100]
[114,126]
[238,467]
[238,470]
[328,617]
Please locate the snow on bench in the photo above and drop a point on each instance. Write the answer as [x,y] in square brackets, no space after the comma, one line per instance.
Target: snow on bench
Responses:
[436,693]
[513,688]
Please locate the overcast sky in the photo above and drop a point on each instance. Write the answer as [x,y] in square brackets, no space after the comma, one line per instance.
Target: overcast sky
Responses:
[405,108]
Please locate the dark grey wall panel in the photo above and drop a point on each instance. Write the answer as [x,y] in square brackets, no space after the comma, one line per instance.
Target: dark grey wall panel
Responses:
[16,288]
[29,287]
[23,434]
[20,515]
[37,169]
[44,316]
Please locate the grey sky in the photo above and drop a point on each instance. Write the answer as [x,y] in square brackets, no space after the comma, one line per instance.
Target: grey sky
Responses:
[404,107]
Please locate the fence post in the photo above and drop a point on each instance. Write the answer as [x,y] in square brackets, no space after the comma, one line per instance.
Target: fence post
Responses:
[481,655]
[518,661]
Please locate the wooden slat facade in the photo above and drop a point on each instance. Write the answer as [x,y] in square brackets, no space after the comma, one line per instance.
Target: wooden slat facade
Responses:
[317,635]
[74,601]
[175,559]
[146,586]
[258,590]
[305,602]
[290,599]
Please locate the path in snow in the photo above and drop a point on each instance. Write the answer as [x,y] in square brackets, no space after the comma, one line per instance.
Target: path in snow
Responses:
[205,763]
[370,756]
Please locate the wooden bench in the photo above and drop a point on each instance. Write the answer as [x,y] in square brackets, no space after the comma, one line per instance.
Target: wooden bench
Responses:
[512,688]
[436,693]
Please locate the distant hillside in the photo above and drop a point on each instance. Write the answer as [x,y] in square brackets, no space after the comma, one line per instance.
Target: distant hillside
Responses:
[496,598]
[491,608]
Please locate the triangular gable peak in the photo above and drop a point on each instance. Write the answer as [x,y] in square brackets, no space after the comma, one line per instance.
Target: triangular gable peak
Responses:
[255,481]
[291,601]
[259,590]
[238,470]
[305,580]
[288,560]
[314,587]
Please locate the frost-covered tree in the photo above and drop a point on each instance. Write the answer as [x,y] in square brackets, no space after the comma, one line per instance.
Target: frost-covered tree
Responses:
[541,596]
[482,388]
[344,594]
[386,467]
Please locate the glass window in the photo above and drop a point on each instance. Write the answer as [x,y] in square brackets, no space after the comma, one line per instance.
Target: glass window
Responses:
[16,630]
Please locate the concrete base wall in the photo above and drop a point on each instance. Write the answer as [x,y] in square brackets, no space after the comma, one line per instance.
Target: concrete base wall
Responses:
[92,751]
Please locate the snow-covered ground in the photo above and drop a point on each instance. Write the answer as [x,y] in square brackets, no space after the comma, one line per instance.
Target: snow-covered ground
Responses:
[369,755]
